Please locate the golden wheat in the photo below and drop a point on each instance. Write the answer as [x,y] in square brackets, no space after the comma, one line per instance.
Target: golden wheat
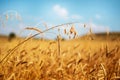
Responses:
[59,60]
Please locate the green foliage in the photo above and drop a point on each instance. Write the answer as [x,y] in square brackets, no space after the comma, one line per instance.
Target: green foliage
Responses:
[12,35]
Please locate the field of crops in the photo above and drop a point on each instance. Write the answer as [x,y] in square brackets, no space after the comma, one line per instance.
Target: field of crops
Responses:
[74,59]
[59,39]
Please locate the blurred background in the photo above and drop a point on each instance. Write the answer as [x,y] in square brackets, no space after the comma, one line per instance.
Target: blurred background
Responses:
[99,15]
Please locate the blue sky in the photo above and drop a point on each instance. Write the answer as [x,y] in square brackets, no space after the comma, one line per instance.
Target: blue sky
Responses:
[99,14]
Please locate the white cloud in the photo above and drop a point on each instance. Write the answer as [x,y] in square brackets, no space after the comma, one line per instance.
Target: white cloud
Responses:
[97,28]
[64,13]
[76,17]
[61,11]
[97,16]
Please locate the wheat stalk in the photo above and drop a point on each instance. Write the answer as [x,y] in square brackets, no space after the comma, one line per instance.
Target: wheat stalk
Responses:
[31,28]
[105,73]
[58,38]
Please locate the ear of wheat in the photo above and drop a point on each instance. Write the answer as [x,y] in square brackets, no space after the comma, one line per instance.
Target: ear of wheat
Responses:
[32,28]
[73,31]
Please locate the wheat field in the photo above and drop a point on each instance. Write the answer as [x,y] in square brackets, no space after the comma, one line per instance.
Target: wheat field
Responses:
[74,59]
[59,40]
